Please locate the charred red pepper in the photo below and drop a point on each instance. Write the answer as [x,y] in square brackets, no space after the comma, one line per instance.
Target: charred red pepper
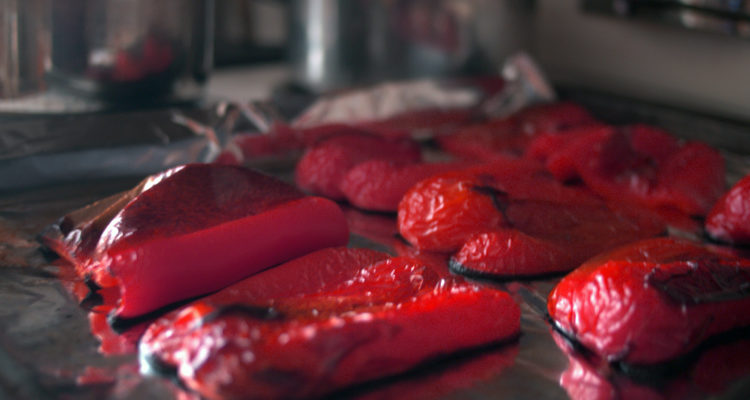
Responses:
[281,141]
[324,165]
[356,322]
[638,163]
[711,372]
[512,135]
[379,185]
[510,218]
[652,301]
[429,122]
[192,230]
[729,219]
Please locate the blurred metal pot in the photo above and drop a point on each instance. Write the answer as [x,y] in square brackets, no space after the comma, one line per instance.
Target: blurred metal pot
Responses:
[132,50]
[24,46]
[336,43]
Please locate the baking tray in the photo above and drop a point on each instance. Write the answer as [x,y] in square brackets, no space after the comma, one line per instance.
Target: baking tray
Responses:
[47,349]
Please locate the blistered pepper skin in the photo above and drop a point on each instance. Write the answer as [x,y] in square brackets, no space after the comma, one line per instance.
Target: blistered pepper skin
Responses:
[652,301]
[440,213]
[367,322]
[510,218]
[324,165]
[511,135]
[510,253]
[379,185]
[638,163]
[729,219]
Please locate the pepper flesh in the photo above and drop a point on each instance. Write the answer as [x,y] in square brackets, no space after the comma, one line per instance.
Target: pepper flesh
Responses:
[512,135]
[197,228]
[366,321]
[379,185]
[652,301]
[638,163]
[729,219]
[510,218]
[324,165]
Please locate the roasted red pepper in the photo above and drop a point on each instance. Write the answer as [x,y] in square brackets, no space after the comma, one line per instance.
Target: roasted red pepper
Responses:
[280,142]
[429,122]
[652,301]
[192,230]
[486,141]
[638,163]
[711,372]
[355,322]
[729,219]
[510,136]
[324,165]
[379,185]
[510,218]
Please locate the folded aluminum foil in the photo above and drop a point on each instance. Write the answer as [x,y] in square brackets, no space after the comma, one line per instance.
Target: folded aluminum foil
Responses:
[524,84]
[64,149]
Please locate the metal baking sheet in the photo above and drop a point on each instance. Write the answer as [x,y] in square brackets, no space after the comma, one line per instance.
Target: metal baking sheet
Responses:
[47,349]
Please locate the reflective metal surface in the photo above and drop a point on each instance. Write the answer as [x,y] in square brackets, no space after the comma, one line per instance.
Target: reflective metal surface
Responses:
[24,46]
[730,17]
[335,43]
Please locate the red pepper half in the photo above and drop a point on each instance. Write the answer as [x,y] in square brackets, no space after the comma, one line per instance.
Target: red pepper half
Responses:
[379,185]
[638,163]
[512,135]
[652,301]
[359,320]
[729,219]
[510,218]
[195,229]
[324,165]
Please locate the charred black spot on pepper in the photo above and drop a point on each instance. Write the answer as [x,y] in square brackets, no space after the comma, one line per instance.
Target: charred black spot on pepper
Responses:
[704,280]
[256,312]
[500,199]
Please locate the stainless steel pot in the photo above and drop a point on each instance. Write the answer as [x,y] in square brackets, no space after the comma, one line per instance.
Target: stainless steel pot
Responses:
[24,46]
[335,43]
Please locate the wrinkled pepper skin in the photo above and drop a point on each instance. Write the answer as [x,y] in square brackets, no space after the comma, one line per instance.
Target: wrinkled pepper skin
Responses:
[280,142]
[379,185]
[729,219]
[712,372]
[638,163]
[323,166]
[365,320]
[652,301]
[510,218]
[511,136]
[195,229]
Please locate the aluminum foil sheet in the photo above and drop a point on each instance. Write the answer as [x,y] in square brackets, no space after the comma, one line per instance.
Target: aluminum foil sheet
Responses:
[49,351]
[68,148]
[64,149]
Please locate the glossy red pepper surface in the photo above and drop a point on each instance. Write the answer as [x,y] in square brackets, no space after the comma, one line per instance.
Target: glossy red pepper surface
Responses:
[195,229]
[510,136]
[652,301]
[357,320]
[379,185]
[638,163]
[279,141]
[729,219]
[324,165]
[510,218]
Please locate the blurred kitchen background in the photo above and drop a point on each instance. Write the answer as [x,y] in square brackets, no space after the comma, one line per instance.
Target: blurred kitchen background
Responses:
[85,55]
